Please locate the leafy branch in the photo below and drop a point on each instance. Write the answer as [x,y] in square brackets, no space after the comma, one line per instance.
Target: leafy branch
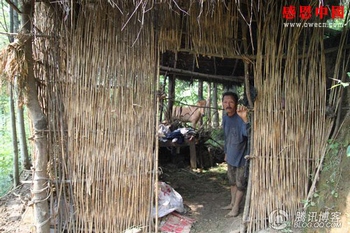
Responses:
[340,83]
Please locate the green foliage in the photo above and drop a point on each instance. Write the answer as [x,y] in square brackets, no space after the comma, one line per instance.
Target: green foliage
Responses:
[338,24]
[5,169]
[5,145]
[340,83]
[308,203]
[4,18]
[217,137]
[288,227]
[334,193]
[328,187]
[5,126]
[187,92]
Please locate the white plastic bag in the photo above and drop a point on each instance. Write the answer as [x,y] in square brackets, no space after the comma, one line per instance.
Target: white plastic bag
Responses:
[168,200]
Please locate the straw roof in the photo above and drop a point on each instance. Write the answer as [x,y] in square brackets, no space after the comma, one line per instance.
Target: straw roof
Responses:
[101,69]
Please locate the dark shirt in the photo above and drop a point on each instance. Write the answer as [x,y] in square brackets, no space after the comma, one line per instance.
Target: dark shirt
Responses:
[236,135]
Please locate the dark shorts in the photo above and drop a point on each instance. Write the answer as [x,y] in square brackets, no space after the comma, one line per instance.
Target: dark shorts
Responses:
[236,177]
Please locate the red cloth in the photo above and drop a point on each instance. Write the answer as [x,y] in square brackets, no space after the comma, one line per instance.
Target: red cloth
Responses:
[177,223]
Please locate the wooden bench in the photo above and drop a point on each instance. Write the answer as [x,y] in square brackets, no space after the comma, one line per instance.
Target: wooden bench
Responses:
[177,146]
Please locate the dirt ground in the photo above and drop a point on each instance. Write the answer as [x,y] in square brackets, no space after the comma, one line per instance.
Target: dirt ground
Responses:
[14,212]
[204,192]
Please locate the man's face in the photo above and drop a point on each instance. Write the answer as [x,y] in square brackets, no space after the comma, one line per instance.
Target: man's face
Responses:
[229,104]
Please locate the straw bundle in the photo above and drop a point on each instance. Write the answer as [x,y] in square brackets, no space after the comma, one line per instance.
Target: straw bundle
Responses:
[170,27]
[99,69]
[13,63]
[100,108]
[202,27]
[290,127]
[212,28]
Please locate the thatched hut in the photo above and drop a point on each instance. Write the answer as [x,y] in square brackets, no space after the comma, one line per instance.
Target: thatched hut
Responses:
[98,64]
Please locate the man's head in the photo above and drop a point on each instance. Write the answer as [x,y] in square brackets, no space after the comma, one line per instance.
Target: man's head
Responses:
[229,102]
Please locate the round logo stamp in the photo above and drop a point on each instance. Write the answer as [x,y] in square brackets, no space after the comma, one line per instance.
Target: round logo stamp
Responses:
[278,219]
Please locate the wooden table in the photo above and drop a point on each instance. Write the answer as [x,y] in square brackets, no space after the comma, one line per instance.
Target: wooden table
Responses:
[187,142]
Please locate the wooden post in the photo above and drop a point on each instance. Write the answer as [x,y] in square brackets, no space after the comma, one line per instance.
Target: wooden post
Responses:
[171,93]
[14,138]
[215,106]
[200,96]
[40,188]
[193,155]
[161,100]
[208,110]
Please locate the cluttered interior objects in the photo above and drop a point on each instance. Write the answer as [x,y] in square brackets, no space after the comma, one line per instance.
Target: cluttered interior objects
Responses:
[185,147]
[186,159]
[190,155]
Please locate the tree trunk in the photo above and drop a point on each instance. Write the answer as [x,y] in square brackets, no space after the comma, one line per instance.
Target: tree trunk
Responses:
[215,106]
[15,171]
[14,139]
[200,90]
[209,104]
[40,190]
[200,97]
[22,137]
[11,14]
[171,93]
[20,116]
[161,100]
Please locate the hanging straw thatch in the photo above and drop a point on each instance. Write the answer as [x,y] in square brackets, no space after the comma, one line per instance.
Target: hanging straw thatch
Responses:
[99,70]
[100,105]
[200,27]
[13,63]
[290,126]
[214,30]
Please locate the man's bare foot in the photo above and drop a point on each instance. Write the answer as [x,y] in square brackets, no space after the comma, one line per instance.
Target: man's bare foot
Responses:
[233,213]
[228,207]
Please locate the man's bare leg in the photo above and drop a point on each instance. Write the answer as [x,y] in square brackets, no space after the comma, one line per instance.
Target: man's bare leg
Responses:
[235,209]
[233,198]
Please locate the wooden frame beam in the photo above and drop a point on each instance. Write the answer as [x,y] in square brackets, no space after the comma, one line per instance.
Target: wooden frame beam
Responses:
[201,76]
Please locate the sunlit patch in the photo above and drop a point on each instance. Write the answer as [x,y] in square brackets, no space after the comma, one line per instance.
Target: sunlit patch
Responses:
[195,208]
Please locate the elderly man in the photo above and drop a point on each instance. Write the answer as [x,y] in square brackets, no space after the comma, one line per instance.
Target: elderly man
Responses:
[235,125]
